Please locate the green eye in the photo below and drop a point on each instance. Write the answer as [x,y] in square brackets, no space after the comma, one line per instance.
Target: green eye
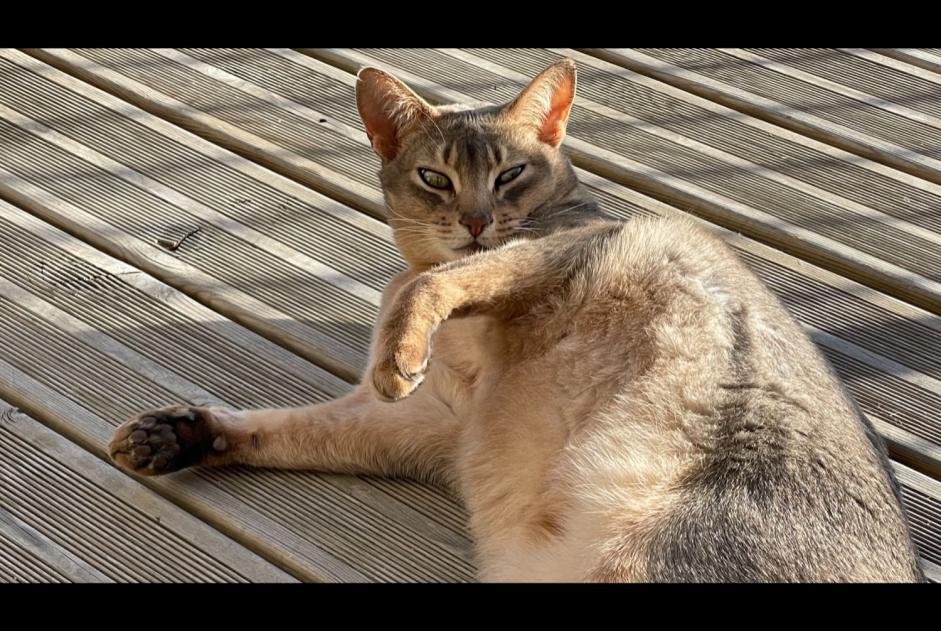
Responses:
[434,179]
[510,174]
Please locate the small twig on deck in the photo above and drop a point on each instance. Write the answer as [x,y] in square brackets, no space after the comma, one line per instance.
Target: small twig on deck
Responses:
[174,245]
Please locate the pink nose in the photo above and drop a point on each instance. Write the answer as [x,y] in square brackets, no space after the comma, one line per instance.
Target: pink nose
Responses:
[476,224]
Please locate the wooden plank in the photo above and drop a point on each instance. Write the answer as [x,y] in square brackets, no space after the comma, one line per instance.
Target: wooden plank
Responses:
[317,154]
[806,197]
[889,62]
[917,57]
[144,180]
[322,146]
[898,88]
[921,496]
[28,556]
[827,111]
[74,516]
[889,84]
[148,345]
[883,348]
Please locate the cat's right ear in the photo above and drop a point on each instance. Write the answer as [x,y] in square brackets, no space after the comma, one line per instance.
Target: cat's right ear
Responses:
[389,109]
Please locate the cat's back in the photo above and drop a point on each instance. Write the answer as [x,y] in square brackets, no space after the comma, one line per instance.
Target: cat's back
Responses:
[778,475]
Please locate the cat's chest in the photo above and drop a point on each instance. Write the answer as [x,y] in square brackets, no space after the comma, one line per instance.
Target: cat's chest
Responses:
[469,348]
[480,351]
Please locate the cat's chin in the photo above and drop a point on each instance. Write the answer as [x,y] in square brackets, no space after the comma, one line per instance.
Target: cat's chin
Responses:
[468,250]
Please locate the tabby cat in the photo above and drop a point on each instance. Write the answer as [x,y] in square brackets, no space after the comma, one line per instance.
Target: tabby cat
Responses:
[614,401]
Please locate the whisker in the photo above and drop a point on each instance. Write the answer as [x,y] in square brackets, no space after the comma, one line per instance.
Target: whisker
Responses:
[565,210]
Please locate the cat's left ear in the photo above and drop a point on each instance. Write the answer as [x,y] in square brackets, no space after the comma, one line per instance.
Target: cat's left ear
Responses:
[546,102]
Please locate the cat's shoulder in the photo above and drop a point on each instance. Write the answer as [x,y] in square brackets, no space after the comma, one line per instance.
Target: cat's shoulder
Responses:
[675,244]
[681,229]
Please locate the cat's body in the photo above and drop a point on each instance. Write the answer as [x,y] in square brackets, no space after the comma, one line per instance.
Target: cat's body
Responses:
[613,401]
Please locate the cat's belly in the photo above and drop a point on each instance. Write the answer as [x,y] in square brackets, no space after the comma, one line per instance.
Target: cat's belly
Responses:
[569,557]
[524,564]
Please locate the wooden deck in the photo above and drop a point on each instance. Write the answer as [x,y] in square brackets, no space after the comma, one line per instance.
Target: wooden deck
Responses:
[205,226]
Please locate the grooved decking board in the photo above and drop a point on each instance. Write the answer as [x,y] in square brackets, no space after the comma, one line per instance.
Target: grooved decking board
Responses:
[301,267]
[133,343]
[310,146]
[889,353]
[857,217]
[66,516]
[807,90]
[927,58]
[891,85]
[921,497]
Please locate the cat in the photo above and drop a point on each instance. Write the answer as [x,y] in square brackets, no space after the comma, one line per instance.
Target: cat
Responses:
[613,400]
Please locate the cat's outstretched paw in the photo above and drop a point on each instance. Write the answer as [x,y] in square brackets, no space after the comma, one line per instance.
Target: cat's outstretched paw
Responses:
[167,440]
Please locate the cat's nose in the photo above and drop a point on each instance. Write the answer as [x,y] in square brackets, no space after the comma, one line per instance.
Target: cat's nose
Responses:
[476,223]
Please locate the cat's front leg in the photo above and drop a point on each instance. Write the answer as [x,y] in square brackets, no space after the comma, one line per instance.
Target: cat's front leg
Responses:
[353,434]
[503,283]
[403,344]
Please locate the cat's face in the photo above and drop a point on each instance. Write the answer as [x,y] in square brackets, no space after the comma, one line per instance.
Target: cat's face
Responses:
[460,179]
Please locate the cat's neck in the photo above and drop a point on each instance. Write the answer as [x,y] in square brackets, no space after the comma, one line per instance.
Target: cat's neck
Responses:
[575,209]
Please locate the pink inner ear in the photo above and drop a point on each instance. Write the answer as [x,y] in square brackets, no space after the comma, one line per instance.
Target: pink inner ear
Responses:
[372,97]
[553,126]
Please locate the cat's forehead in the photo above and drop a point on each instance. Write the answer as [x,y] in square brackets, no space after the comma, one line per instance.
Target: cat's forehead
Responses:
[470,137]
[478,107]
[468,117]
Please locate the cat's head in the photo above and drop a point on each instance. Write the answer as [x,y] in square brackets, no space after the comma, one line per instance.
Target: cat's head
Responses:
[461,178]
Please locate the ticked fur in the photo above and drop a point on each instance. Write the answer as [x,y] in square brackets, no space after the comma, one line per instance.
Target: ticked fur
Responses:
[613,401]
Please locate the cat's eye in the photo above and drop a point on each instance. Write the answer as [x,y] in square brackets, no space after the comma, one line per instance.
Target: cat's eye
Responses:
[510,174]
[434,179]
